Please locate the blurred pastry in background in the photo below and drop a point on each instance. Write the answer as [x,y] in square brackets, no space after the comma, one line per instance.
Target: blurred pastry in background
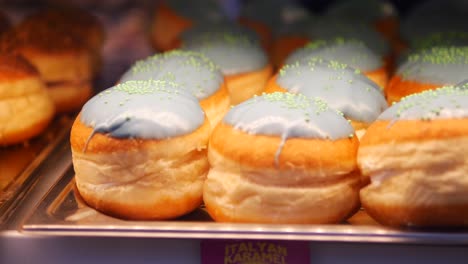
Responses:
[352,52]
[63,58]
[381,14]
[434,16]
[242,61]
[190,70]
[4,23]
[25,106]
[172,17]
[266,17]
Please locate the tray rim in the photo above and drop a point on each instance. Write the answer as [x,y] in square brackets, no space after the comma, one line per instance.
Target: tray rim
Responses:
[41,222]
[27,178]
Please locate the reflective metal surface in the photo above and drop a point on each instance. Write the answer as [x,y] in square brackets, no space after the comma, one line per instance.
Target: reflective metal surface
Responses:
[63,212]
[18,163]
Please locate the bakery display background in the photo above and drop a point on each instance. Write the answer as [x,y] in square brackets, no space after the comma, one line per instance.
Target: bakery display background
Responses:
[125,21]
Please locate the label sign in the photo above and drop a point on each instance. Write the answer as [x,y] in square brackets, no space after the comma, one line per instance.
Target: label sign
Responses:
[254,252]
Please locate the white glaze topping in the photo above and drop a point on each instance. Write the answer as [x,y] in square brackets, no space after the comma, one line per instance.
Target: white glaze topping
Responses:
[233,53]
[438,65]
[331,28]
[191,70]
[447,102]
[349,51]
[151,109]
[342,87]
[288,116]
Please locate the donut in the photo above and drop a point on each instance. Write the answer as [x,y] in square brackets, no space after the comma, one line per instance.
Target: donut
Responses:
[78,22]
[415,157]
[382,15]
[172,17]
[330,28]
[349,51]
[242,61]
[192,70]
[139,151]
[25,106]
[342,87]
[274,21]
[4,23]
[63,61]
[289,38]
[431,17]
[282,158]
[219,29]
[428,69]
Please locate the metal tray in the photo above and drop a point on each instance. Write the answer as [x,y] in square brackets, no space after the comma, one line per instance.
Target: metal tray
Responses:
[18,162]
[63,212]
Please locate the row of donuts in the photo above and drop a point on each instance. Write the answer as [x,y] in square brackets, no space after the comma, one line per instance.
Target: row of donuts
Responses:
[434,59]
[47,62]
[143,150]
[283,26]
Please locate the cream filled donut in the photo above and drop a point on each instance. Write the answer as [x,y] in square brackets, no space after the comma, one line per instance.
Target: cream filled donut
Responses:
[342,87]
[282,158]
[428,69]
[139,151]
[415,156]
[193,71]
[64,61]
[172,17]
[25,107]
[330,28]
[241,60]
[381,14]
[349,51]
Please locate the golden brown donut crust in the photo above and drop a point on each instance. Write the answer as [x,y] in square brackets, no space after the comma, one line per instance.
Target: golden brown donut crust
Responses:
[243,86]
[25,107]
[398,88]
[166,28]
[140,179]
[416,171]
[258,151]
[384,131]
[305,185]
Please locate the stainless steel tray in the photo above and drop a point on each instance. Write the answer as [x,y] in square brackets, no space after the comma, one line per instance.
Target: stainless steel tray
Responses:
[17,164]
[63,212]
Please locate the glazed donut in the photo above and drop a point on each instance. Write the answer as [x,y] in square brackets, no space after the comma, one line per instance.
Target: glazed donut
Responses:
[349,51]
[192,70]
[63,61]
[289,38]
[434,40]
[382,15]
[431,17]
[219,28]
[342,87]
[415,156]
[4,23]
[172,17]
[330,28]
[242,61]
[282,158]
[25,107]
[428,69]
[139,151]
